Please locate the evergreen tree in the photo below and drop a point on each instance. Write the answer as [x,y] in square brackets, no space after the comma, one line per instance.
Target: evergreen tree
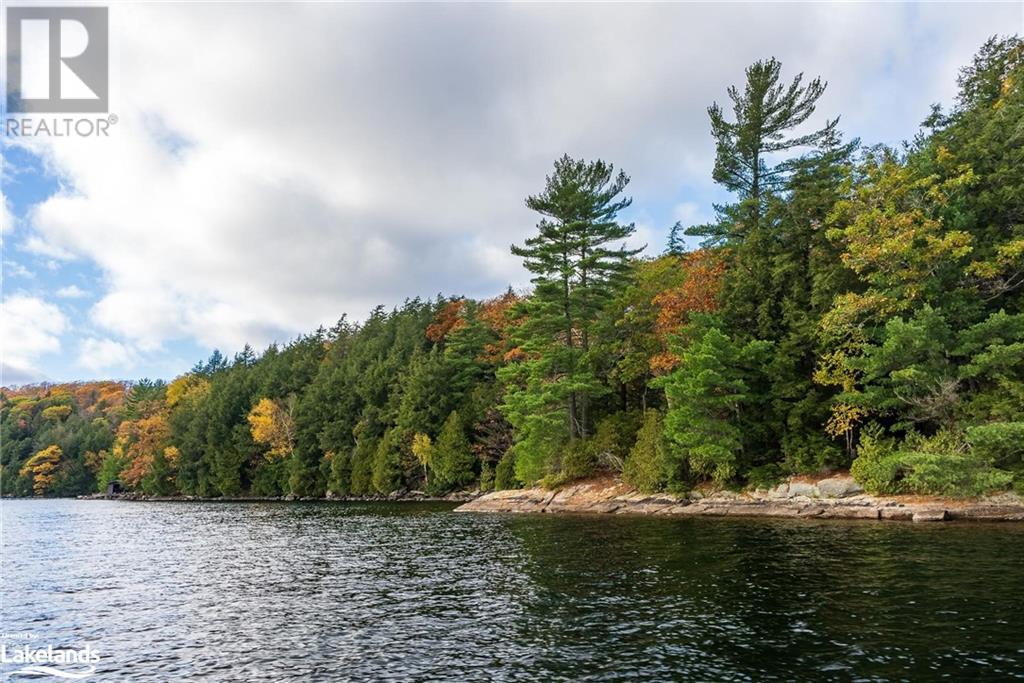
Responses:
[505,472]
[142,397]
[764,114]
[428,393]
[877,303]
[576,272]
[340,480]
[713,415]
[387,469]
[649,466]
[451,460]
[362,462]
[676,245]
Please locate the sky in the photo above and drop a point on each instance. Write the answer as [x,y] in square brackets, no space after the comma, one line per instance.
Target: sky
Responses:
[275,166]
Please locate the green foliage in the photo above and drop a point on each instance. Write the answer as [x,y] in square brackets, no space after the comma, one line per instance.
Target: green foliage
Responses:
[79,420]
[837,290]
[487,477]
[505,473]
[110,468]
[944,464]
[142,396]
[538,423]
[712,413]
[387,472]
[362,466]
[765,476]
[579,460]
[875,467]
[676,245]
[452,460]
[649,466]
[950,474]
[271,479]
[1000,443]
[614,438]
[764,111]
[578,265]
[56,413]
[340,480]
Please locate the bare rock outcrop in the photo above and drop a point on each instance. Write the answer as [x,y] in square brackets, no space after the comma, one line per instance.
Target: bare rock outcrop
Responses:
[836,497]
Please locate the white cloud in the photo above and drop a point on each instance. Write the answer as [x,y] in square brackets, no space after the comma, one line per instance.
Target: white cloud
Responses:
[36,244]
[15,269]
[72,292]
[692,213]
[31,328]
[97,355]
[378,152]
[647,238]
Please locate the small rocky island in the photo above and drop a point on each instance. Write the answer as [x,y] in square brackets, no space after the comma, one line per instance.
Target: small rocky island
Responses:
[836,497]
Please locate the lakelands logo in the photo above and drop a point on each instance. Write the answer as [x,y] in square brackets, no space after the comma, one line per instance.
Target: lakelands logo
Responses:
[58,62]
[50,661]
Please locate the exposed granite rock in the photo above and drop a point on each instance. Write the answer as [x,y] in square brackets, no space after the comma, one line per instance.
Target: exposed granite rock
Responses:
[933,515]
[461,496]
[802,488]
[898,513]
[833,498]
[980,511]
[833,487]
[839,487]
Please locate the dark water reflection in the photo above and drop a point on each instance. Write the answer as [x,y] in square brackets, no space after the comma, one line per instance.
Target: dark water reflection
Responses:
[244,592]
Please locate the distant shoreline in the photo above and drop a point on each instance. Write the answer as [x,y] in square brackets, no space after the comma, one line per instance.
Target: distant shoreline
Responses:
[836,497]
[143,498]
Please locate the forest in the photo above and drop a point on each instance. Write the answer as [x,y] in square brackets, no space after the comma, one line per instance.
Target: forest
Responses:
[854,307]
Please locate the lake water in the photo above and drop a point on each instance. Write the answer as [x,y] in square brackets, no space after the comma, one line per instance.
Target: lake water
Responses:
[334,592]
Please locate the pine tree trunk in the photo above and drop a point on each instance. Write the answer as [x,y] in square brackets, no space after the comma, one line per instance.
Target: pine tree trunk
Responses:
[573,423]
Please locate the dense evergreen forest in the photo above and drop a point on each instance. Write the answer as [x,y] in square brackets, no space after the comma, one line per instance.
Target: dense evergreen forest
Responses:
[854,307]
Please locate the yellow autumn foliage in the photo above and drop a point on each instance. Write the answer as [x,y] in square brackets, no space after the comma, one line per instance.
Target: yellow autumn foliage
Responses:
[186,386]
[42,467]
[56,413]
[271,425]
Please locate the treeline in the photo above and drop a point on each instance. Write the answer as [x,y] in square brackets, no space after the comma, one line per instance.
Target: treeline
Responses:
[855,306]
[52,436]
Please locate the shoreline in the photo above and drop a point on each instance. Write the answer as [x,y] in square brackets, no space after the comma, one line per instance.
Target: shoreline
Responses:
[836,497]
[413,497]
[831,498]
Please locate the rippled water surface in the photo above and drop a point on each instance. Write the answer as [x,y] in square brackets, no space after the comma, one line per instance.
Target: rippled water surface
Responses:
[324,592]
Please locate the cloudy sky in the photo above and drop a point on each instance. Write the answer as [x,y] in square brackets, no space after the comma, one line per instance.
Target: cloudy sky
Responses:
[275,166]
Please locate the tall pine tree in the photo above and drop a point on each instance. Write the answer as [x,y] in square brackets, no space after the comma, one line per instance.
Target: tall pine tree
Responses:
[765,112]
[579,261]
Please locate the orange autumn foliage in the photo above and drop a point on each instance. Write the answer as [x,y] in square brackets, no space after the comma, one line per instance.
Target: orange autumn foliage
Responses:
[91,397]
[494,313]
[704,269]
[140,441]
[446,320]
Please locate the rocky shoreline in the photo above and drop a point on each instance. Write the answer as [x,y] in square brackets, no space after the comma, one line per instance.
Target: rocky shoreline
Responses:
[405,497]
[838,497]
